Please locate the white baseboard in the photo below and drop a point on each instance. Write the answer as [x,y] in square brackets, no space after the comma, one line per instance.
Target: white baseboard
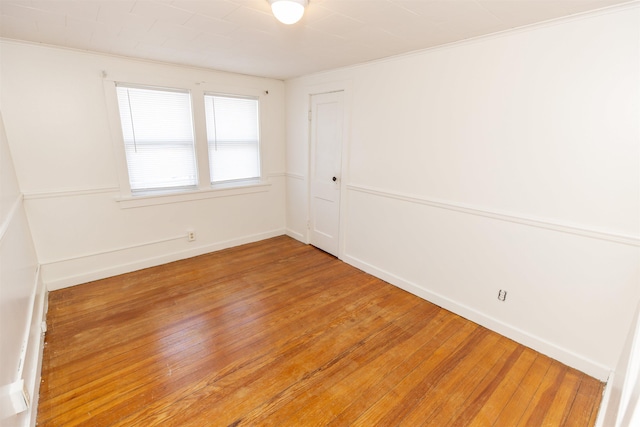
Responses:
[556,352]
[139,264]
[295,235]
[41,310]
[31,364]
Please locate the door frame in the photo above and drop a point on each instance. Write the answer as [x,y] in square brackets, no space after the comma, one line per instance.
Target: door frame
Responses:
[344,87]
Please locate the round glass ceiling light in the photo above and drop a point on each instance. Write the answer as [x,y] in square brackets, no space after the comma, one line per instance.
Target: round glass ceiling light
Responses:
[288,11]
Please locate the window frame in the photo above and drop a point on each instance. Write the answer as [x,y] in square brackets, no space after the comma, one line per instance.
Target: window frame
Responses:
[205,189]
[170,189]
[240,181]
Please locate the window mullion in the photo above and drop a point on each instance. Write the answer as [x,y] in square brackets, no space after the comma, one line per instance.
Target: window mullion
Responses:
[200,133]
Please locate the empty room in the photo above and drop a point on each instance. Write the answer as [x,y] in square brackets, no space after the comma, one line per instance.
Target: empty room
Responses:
[319,212]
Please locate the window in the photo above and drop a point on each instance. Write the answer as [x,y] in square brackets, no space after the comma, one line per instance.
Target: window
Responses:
[184,142]
[233,137]
[157,128]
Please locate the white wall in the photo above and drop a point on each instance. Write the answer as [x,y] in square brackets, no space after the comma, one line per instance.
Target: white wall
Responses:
[507,162]
[56,119]
[21,295]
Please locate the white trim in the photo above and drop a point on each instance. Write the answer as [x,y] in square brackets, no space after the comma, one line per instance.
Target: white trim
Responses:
[69,193]
[552,350]
[628,406]
[604,403]
[502,216]
[110,251]
[201,150]
[115,132]
[29,321]
[114,270]
[219,190]
[295,235]
[276,175]
[12,213]
[30,358]
[163,80]
[297,176]
[40,310]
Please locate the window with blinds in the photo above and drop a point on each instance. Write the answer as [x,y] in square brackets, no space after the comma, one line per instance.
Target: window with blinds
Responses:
[233,137]
[157,127]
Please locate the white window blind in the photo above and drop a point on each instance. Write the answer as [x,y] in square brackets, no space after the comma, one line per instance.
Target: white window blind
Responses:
[233,137]
[158,137]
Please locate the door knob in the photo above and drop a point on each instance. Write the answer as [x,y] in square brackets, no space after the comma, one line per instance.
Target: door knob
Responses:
[334,179]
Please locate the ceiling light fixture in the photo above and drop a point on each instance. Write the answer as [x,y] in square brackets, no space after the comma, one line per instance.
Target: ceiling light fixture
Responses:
[288,11]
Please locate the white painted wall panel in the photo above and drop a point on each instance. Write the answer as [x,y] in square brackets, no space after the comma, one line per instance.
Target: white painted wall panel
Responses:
[533,126]
[58,127]
[512,123]
[18,267]
[144,236]
[460,261]
[296,211]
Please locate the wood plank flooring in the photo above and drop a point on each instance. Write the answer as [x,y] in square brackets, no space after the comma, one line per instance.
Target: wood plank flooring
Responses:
[277,333]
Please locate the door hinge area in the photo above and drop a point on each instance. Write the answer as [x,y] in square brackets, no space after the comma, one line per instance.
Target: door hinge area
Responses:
[308,225]
[309,115]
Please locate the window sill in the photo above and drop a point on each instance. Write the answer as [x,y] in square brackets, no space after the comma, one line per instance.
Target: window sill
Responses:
[218,190]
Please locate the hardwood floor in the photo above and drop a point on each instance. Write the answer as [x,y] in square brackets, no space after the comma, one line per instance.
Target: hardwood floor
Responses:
[278,333]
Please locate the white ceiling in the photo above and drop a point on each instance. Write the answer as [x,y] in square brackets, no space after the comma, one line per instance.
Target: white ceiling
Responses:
[243,36]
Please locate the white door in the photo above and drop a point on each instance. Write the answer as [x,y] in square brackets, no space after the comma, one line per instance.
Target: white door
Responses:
[326,165]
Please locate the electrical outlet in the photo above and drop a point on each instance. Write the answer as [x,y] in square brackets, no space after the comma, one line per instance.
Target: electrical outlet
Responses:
[191,235]
[502,295]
